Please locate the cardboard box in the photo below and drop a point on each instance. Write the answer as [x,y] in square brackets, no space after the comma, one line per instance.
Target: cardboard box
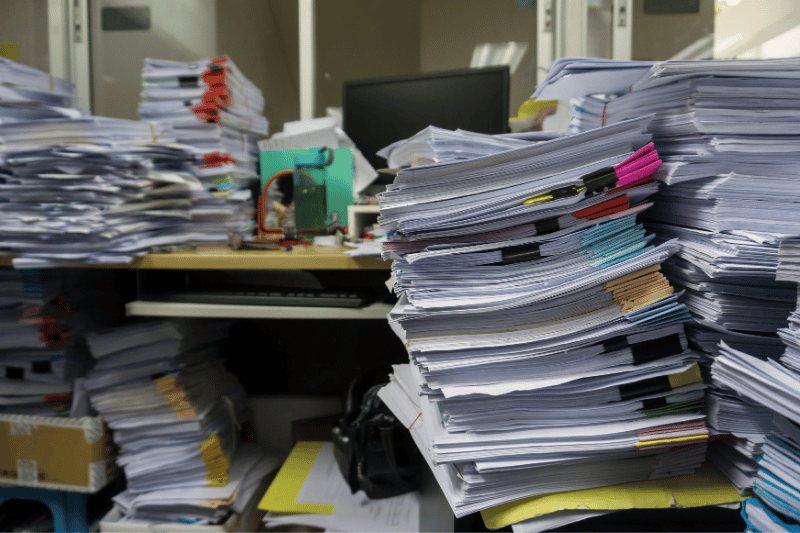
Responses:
[74,454]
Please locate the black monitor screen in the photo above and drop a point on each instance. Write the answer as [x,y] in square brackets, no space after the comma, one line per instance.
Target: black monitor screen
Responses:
[378,112]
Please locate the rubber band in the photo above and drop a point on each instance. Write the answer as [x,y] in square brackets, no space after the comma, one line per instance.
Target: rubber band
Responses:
[603,121]
[415,421]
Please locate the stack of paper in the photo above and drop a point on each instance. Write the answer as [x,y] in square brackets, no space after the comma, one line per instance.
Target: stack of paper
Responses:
[789,260]
[547,347]
[213,107]
[81,189]
[439,145]
[173,407]
[39,356]
[30,94]
[727,133]
[201,505]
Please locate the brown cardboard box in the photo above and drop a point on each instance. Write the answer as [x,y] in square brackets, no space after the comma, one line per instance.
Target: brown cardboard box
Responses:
[75,454]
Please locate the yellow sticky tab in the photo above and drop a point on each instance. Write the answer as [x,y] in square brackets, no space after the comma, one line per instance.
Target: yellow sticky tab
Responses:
[692,375]
[165,383]
[676,440]
[10,51]
[531,107]
[282,493]
[705,487]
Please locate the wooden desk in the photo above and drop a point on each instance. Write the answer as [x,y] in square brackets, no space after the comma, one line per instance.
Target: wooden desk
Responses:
[223,258]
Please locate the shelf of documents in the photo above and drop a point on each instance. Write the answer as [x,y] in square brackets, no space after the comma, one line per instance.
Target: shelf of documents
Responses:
[376,311]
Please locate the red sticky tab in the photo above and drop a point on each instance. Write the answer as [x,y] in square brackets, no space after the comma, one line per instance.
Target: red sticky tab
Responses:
[614,205]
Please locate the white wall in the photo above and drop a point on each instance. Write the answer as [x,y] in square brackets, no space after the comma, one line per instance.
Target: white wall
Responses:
[742,28]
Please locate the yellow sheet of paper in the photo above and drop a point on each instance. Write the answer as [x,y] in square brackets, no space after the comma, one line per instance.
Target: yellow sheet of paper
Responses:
[705,487]
[282,493]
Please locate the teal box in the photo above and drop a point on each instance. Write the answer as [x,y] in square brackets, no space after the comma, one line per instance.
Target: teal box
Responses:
[337,178]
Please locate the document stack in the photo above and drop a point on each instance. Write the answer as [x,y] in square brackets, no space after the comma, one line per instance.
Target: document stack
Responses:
[439,145]
[82,189]
[547,348]
[202,505]
[727,133]
[39,358]
[214,108]
[172,406]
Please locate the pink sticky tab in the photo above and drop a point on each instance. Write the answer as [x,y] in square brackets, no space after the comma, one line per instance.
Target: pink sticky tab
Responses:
[639,153]
[637,175]
[637,164]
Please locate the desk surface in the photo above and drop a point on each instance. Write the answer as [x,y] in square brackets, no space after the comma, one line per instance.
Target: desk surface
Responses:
[223,258]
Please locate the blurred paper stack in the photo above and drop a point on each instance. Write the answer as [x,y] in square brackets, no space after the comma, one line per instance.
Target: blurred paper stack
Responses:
[39,358]
[213,107]
[547,348]
[80,189]
[174,409]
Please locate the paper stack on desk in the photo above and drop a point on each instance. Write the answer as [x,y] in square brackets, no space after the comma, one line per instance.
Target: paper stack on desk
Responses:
[81,189]
[548,349]
[174,409]
[439,145]
[727,132]
[39,354]
[211,106]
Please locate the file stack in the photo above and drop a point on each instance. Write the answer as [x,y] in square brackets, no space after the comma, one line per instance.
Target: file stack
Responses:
[214,108]
[439,145]
[727,132]
[204,505]
[81,189]
[171,404]
[39,356]
[547,348]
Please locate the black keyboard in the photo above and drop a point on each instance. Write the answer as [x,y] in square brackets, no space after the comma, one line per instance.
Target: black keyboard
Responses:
[284,298]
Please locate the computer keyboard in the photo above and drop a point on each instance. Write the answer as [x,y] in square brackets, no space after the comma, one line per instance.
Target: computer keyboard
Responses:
[286,298]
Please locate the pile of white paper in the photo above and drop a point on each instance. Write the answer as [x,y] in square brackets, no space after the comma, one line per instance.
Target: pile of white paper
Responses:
[173,408]
[728,135]
[80,189]
[202,505]
[39,355]
[547,348]
[439,145]
[211,106]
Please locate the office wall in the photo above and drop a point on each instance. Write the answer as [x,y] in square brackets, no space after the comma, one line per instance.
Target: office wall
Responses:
[25,22]
[659,37]
[745,26]
[359,39]
[261,37]
[450,29]
[180,30]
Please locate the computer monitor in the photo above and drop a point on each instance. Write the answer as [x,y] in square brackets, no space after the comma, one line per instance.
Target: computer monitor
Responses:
[378,112]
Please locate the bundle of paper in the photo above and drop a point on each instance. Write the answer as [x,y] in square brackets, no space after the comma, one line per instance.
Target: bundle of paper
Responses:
[83,189]
[548,348]
[202,505]
[213,107]
[727,133]
[30,94]
[439,145]
[789,260]
[173,407]
[39,354]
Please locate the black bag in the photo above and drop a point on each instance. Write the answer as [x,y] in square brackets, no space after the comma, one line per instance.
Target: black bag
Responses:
[374,451]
